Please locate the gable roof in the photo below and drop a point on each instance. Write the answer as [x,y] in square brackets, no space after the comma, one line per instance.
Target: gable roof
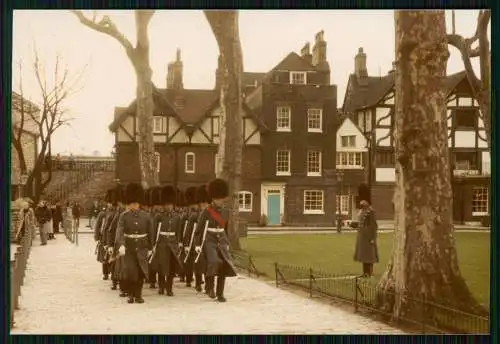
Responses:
[373,89]
[354,124]
[294,62]
[249,78]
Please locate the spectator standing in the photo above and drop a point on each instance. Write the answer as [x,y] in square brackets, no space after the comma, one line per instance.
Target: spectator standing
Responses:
[43,217]
[67,218]
[26,221]
[76,210]
[58,217]
[366,251]
[93,212]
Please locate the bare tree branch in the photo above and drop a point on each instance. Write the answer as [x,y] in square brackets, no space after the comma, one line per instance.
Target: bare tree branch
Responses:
[106,26]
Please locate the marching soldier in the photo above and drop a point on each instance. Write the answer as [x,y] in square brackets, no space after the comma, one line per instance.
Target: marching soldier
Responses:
[164,259]
[214,241]
[100,234]
[156,210]
[183,215]
[200,263]
[188,237]
[134,237]
[115,260]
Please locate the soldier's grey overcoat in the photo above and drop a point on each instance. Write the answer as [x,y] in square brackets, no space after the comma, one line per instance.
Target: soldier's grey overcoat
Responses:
[135,260]
[366,250]
[167,248]
[216,245]
[188,240]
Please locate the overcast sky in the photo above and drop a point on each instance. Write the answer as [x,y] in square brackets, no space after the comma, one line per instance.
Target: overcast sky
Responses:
[266,36]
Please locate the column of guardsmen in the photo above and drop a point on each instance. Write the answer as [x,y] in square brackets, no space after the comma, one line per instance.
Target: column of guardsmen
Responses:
[158,234]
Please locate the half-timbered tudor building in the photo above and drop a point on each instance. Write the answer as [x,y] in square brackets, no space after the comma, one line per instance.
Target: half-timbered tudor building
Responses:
[298,105]
[186,125]
[369,103]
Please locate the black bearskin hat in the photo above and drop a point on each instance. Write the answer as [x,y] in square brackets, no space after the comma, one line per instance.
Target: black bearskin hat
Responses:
[134,193]
[202,194]
[180,199]
[118,191]
[218,189]
[156,195]
[168,195]
[364,193]
[190,195]
[110,196]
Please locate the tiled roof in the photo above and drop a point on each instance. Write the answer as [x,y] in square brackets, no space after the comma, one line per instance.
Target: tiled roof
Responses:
[373,89]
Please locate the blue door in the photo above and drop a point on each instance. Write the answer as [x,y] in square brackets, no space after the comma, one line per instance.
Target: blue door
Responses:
[273,209]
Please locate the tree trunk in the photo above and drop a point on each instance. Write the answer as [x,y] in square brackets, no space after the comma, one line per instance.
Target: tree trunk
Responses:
[424,263]
[225,27]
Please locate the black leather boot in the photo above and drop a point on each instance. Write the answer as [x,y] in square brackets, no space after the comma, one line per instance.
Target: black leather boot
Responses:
[169,286]
[221,280]
[114,286]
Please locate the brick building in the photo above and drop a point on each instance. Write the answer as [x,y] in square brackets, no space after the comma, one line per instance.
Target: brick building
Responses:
[23,125]
[289,126]
[369,103]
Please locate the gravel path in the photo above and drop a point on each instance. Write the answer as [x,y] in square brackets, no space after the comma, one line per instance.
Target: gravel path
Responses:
[63,293]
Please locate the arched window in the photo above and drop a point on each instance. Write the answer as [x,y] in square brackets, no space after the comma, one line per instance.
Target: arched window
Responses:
[189,163]
[245,199]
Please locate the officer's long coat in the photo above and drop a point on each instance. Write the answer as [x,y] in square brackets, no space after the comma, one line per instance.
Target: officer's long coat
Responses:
[366,250]
[188,241]
[216,245]
[135,260]
[167,250]
[117,260]
[99,235]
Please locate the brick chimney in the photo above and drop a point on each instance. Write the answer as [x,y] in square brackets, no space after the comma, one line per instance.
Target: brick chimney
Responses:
[174,73]
[319,50]
[360,64]
[305,52]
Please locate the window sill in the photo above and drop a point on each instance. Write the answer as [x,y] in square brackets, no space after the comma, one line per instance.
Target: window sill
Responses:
[189,172]
[309,130]
[284,130]
[245,210]
[158,132]
[283,174]
[314,174]
[479,213]
[314,212]
[349,167]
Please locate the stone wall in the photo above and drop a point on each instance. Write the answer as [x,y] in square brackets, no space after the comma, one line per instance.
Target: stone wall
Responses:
[29,145]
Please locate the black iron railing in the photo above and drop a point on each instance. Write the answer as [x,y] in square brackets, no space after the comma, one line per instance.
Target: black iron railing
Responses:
[419,315]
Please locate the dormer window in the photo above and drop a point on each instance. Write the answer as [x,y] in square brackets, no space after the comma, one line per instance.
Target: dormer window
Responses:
[298,78]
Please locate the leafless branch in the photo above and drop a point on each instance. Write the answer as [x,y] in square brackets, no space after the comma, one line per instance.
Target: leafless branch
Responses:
[107,27]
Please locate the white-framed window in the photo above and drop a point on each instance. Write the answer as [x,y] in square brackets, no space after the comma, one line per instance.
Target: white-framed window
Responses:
[480,201]
[283,163]
[283,118]
[314,120]
[348,141]
[157,124]
[298,78]
[313,163]
[349,159]
[344,201]
[245,200]
[313,202]
[157,161]
[189,162]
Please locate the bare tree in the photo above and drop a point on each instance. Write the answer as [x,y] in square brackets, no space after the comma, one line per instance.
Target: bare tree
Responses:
[45,117]
[224,25]
[424,261]
[139,57]
[481,87]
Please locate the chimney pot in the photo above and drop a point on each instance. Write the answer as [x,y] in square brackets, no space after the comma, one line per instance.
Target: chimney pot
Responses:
[319,51]
[174,73]
[360,64]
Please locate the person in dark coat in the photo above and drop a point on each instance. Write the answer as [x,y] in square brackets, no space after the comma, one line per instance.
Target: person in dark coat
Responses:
[102,224]
[366,251]
[214,221]
[200,262]
[76,211]
[58,217]
[113,260]
[43,215]
[188,237]
[167,231]
[183,215]
[134,238]
[157,209]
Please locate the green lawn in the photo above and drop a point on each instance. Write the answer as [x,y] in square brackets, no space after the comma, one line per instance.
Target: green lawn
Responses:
[333,253]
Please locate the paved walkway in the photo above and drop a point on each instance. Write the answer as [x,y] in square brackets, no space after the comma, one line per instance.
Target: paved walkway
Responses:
[63,293]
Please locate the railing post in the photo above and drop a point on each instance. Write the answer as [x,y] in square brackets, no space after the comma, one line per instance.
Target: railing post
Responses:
[356,294]
[276,274]
[249,265]
[311,282]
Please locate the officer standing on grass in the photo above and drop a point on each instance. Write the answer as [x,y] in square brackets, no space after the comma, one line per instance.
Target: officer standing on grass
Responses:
[215,244]
[134,237]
